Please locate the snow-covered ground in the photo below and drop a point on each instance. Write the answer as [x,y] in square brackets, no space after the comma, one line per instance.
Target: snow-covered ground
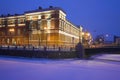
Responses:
[67,69]
[108,57]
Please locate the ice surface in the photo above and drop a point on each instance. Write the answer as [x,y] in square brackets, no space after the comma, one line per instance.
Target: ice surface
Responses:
[67,69]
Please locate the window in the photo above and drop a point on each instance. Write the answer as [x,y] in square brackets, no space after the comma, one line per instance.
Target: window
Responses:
[11,31]
[28,17]
[34,24]
[39,25]
[48,16]
[43,16]
[8,40]
[18,31]
[34,17]
[11,21]
[43,24]
[3,22]
[21,21]
[0,33]
[54,15]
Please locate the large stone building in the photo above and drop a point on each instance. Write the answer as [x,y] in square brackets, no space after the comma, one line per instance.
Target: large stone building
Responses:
[40,27]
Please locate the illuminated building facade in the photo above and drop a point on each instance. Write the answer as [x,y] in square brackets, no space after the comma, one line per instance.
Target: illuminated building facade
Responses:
[41,27]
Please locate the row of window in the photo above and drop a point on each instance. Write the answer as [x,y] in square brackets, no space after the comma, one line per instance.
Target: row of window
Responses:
[44,24]
[12,21]
[68,39]
[30,17]
[47,16]
[12,31]
[68,27]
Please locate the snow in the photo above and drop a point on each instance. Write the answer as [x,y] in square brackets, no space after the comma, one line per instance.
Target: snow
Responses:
[64,69]
[111,57]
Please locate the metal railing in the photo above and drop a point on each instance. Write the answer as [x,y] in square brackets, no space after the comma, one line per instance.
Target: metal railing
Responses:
[39,48]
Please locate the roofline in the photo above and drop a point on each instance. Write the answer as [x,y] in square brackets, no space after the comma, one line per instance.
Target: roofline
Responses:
[46,9]
[34,11]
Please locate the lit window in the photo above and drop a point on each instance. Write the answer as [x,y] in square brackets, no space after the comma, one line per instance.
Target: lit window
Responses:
[11,21]
[11,30]
[48,16]
[3,22]
[21,21]
[34,17]
[28,17]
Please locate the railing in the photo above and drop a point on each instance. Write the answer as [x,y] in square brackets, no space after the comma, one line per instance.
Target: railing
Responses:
[40,48]
[103,46]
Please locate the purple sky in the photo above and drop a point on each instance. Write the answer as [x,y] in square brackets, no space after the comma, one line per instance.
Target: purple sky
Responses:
[96,16]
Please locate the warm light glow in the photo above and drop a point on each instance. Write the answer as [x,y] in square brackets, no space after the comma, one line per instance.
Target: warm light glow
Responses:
[88,34]
[38,13]
[64,33]
[83,33]
[45,28]
[11,30]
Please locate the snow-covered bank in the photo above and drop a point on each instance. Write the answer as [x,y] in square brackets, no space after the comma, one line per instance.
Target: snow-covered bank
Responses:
[70,69]
[109,57]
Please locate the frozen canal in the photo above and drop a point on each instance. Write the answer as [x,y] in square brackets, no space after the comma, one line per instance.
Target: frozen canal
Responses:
[100,68]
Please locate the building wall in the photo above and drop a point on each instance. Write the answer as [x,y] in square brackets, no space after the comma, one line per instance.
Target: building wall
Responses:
[12,31]
[47,28]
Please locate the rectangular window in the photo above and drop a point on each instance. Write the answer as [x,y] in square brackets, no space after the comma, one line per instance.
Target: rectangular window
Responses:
[28,17]
[3,22]
[35,17]
[11,21]
[11,31]
[21,21]
[43,17]
[18,31]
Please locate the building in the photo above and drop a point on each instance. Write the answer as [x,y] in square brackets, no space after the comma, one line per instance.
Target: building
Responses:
[40,27]
[86,38]
[117,40]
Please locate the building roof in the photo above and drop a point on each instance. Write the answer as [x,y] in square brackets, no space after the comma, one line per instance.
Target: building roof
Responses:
[9,15]
[40,9]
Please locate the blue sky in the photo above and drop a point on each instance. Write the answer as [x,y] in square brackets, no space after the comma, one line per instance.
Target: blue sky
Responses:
[96,16]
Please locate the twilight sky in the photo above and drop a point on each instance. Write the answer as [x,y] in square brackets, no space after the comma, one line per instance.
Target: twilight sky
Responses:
[96,16]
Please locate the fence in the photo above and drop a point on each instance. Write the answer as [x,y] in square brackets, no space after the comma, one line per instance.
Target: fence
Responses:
[38,52]
[38,48]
